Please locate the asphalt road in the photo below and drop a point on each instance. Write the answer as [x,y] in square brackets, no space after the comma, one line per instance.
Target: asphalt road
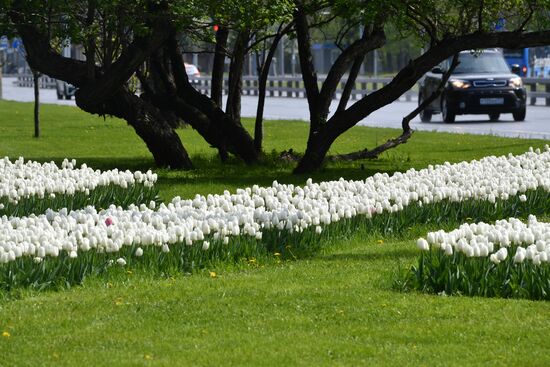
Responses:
[536,125]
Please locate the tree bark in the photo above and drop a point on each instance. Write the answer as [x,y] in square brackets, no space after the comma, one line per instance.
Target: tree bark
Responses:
[235,82]
[148,122]
[350,83]
[218,66]
[36,85]
[309,76]
[317,148]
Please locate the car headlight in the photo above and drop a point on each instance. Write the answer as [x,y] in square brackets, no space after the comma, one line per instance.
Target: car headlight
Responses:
[516,82]
[460,84]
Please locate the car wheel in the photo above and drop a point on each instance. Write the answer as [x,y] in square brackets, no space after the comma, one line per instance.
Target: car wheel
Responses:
[494,116]
[425,115]
[59,95]
[519,115]
[448,116]
[68,96]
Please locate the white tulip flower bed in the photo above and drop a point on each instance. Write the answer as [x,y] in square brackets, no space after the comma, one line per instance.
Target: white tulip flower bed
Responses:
[269,216]
[509,259]
[26,185]
[531,240]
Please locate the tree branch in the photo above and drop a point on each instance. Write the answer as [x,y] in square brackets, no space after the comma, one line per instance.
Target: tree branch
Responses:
[350,83]
[409,75]
[127,63]
[405,123]
[360,47]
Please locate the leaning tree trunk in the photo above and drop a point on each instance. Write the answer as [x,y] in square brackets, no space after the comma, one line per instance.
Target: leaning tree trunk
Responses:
[222,130]
[148,122]
[317,148]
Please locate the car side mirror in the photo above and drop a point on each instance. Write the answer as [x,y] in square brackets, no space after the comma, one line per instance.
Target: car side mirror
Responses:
[516,69]
[437,70]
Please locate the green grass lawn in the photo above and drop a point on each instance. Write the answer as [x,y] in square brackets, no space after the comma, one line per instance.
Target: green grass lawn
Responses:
[111,143]
[335,308]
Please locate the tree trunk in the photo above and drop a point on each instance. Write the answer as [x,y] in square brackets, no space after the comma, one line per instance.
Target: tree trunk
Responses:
[1,66]
[218,66]
[222,130]
[317,148]
[35,77]
[235,82]
[259,123]
[148,122]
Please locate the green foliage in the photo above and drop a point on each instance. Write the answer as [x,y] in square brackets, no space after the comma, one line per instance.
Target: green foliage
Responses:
[437,20]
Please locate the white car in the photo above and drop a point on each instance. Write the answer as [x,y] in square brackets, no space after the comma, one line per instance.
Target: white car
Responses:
[192,70]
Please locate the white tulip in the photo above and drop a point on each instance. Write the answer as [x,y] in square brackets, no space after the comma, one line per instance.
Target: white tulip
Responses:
[502,253]
[422,244]
[120,261]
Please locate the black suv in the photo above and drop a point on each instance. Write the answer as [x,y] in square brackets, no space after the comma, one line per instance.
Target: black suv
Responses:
[482,83]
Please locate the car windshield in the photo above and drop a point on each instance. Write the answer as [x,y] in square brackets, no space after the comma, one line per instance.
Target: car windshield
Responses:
[485,62]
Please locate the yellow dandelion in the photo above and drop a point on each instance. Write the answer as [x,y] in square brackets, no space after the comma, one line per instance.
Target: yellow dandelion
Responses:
[148,357]
[6,334]
[380,242]
[277,254]
[213,274]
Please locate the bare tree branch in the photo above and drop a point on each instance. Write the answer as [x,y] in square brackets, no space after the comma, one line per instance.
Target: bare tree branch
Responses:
[405,123]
